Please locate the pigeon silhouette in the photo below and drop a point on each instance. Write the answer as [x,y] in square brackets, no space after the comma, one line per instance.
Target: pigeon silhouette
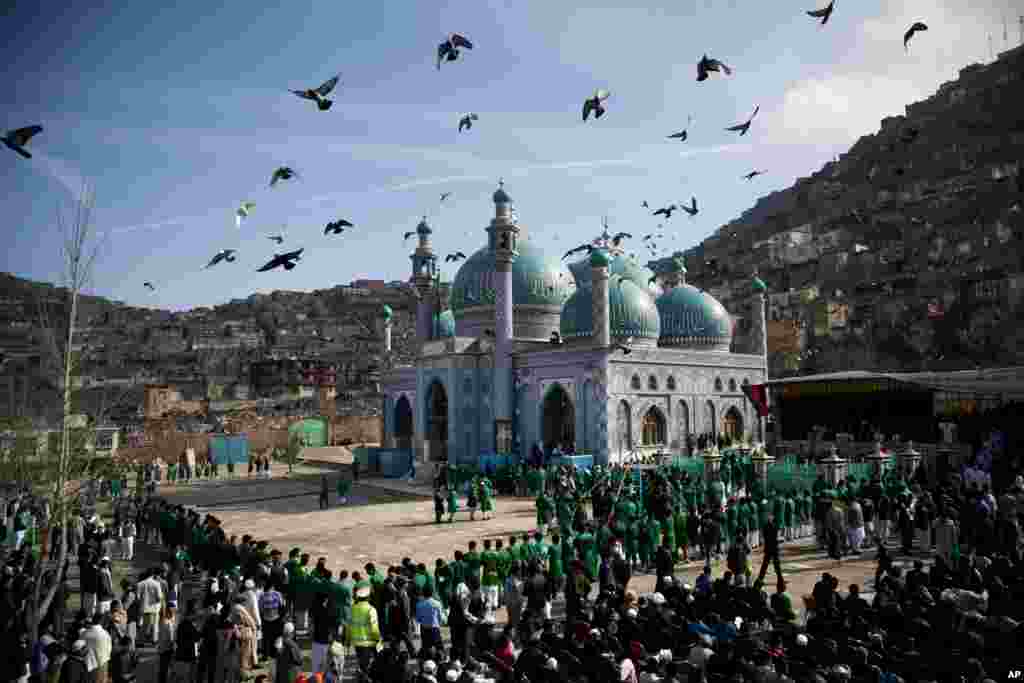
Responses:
[454,257]
[742,128]
[282,173]
[445,195]
[619,236]
[337,227]
[665,211]
[692,209]
[407,235]
[149,286]
[18,138]
[706,66]
[595,104]
[319,95]
[286,261]
[227,255]
[753,174]
[466,122]
[682,135]
[578,250]
[626,347]
[448,50]
[644,204]
[914,28]
[824,13]
[243,212]
[279,239]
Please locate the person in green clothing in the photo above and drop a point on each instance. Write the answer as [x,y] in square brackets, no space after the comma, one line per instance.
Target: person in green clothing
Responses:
[668,532]
[344,489]
[632,538]
[490,581]
[342,592]
[779,509]
[438,505]
[789,517]
[588,552]
[172,472]
[681,520]
[538,549]
[762,513]
[443,581]
[458,570]
[748,515]
[535,481]
[543,511]
[650,541]
[423,581]
[486,498]
[566,513]
[472,561]
[731,522]
[556,567]
[453,503]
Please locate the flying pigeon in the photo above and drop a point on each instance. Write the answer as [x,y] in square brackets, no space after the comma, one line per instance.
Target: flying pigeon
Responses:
[222,255]
[625,347]
[914,28]
[666,211]
[243,212]
[466,122]
[337,227]
[277,238]
[645,204]
[555,339]
[445,195]
[619,236]
[595,104]
[648,238]
[409,234]
[824,13]
[652,280]
[287,260]
[745,126]
[692,209]
[454,257]
[578,250]
[706,65]
[17,139]
[149,286]
[681,135]
[753,174]
[282,173]
[449,49]
[319,95]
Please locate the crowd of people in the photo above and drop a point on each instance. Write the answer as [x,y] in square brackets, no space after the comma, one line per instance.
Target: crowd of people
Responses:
[565,588]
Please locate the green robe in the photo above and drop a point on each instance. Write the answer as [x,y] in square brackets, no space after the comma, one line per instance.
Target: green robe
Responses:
[489,560]
[681,518]
[472,562]
[555,566]
[789,513]
[453,502]
[543,510]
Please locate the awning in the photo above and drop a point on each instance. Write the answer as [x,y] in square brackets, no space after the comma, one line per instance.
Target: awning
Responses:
[989,382]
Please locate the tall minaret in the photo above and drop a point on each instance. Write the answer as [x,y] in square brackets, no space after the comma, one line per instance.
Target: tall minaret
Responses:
[759,334]
[504,235]
[602,333]
[424,273]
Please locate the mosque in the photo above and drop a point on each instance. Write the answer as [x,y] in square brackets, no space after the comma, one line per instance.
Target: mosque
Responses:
[641,359]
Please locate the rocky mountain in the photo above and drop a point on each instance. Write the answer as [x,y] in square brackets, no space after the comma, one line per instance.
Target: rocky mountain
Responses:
[904,253]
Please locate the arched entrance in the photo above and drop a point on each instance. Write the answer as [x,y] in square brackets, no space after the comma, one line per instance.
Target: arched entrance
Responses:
[710,422]
[654,431]
[437,422]
[559,416]
[684,426]
[623,428]
[403,423]
[732,423]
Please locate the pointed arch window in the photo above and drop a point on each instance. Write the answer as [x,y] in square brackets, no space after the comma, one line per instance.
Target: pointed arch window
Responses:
[652,383]
[654,432]
[635,382]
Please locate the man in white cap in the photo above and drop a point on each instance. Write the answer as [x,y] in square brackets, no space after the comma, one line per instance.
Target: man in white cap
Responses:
[363,632]
[428,673]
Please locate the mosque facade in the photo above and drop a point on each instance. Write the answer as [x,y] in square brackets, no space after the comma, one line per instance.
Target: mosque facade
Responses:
[641,359]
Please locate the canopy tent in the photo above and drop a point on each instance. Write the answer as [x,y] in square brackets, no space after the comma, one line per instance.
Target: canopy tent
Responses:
[1008,382]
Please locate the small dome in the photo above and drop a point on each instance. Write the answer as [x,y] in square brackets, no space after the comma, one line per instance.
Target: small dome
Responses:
[444,325]
[500,196]
[423,228]
[690,317]
[386,313]
[632,312]
[599,259]
[759,285]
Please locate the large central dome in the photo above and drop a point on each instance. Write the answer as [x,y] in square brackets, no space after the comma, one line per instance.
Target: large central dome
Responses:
[539,287]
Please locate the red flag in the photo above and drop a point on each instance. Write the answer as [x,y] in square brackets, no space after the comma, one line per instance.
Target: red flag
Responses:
[758,395]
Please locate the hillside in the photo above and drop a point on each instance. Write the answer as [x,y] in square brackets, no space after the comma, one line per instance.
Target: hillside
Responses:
[906,252]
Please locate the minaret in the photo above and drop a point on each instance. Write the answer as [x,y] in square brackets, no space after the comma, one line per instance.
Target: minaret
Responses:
[504,235]
[424,274]
[602,334]
[759,334]
[386,315]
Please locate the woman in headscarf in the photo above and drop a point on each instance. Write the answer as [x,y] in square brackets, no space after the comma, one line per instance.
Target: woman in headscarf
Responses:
[247,630]
[229,651]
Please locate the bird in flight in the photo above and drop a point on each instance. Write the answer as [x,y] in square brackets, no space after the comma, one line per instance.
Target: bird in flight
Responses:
[286,260]
[665,211]
[914,28]
[824,13]
[407,235]
[319,95]
[466,122]
[337,227]
[279,239]
[692,209]
[579,250]
[619,236]
[682,135]
[753,174]
[645,204]
[18,138]
[595,104]
[742,128]
[149,286]
[448,50]
[707,65]
[626,347]
[282,173]
[445,195]
[243,212]
[454,257]
[222,255]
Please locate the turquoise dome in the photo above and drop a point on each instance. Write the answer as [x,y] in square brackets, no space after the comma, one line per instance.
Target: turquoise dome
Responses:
[599,259]
[690,317]
[619,264]
[387,313]
[536,280]
[632,312]
[759,285]
[444,325]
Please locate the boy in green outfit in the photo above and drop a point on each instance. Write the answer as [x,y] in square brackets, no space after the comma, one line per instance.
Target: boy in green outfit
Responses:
[453,504]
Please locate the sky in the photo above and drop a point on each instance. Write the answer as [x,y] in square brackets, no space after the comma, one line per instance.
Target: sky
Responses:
[174,115]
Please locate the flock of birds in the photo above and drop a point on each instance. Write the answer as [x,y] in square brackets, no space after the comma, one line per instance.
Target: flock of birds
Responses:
[450,50]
